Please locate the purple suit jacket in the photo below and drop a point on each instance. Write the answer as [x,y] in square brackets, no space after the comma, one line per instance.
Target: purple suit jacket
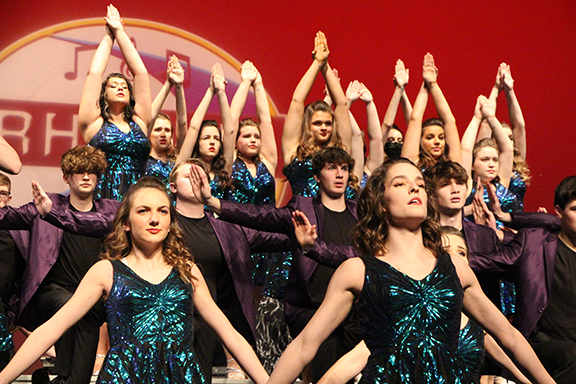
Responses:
[45,238]
[270,218]
[529,258]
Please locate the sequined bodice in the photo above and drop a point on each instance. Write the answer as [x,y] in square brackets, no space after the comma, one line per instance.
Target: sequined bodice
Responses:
[518,188]
[151,330]
[301,179]
[410,326]
[471,351]
[259,189]
[126,154]
[159,169]
[508,201]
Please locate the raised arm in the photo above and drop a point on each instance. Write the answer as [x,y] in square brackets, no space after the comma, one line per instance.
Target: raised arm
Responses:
[481,309]
[229,141]
[516,116]
[93,286]
[341,115]
[443,109]
[195,124]
[142,94]
[375,139]
[357,144]
[411,146]
[469,139]
[293,121]
[268,149]
[89,111]
[400,82]
[505,146]
[485,132]
[9,159]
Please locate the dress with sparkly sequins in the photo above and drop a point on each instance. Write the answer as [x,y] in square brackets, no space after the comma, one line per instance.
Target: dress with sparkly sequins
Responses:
[301,179]
[159,169]
[126,154]
[410,326]
[471,352]
[151,330]
[5,335]
[518,188]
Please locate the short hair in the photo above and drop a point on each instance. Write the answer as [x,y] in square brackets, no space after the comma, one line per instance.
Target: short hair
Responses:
[565,192]
[444,171]
[331,155]
[83,158]
[5,180]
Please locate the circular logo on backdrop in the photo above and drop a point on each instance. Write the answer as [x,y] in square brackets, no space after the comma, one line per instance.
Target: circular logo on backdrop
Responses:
[42,77]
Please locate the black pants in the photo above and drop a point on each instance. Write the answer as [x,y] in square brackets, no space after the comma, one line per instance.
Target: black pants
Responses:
[341,341]
[557,356]
[76,349]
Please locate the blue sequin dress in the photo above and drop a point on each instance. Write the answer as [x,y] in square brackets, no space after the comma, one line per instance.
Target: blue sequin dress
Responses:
[471,351]
[126,154]
[411,327]
[518,188]
[5,335]
[159,169]
[269,269]
[151,329]
[301,179]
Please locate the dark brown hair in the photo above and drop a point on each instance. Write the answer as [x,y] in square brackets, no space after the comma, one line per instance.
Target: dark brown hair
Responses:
[371,232]
[83,158]
[218,166]
[103,103]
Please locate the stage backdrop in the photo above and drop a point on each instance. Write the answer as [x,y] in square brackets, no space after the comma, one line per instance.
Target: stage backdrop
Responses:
[46,48]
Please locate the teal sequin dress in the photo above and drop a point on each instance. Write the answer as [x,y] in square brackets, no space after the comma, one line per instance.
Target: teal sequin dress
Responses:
[471,352]
[151,328]
[126,154]
[301,179]
[159,169]
[411,327]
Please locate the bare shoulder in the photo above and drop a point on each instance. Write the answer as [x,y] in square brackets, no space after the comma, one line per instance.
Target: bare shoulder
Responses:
[351,274]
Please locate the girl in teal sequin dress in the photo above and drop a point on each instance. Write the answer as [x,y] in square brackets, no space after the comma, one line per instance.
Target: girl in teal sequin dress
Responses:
[151,288]
[310,128]
[406,291]
[115,116]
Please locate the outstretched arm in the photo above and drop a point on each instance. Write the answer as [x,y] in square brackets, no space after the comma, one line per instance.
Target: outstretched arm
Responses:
[496,353]
[293,121]
[506,159]
[9,160]
[516,116]
[400,82]
[346,282]
[142,94]
[411,146]
[444,112]
[233,341]
[93,286]
[481,309]
[376,145]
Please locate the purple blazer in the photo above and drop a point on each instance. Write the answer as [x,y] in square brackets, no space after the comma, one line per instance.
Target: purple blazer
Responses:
[45,238]
[529,258]
[270,218]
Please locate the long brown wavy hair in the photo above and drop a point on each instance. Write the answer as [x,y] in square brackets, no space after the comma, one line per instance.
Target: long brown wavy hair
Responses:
[218,166]
[307,146]
[371,232]
[118,243]
[425,160]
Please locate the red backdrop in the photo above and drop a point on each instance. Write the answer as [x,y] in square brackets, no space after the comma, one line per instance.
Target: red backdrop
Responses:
[365,38]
